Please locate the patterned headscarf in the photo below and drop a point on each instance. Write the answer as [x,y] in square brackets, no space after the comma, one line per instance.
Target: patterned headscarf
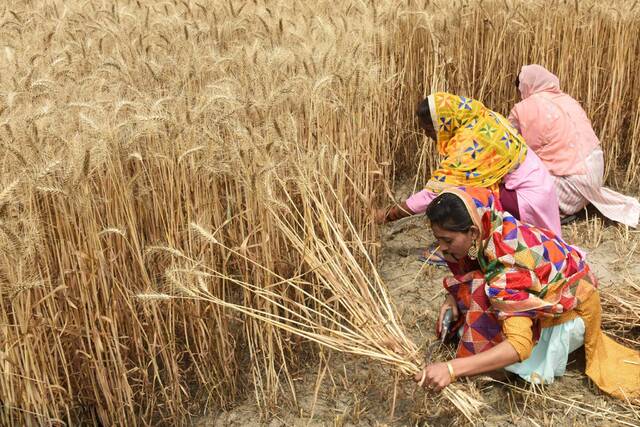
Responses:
[529,271]
[521,270]
[479,146]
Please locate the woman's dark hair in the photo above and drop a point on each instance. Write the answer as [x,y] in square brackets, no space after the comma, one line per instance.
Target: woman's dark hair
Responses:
[423,112]
[518,81]
[448,211]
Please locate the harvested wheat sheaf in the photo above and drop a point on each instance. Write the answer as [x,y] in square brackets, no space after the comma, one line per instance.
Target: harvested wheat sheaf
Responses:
[342,307]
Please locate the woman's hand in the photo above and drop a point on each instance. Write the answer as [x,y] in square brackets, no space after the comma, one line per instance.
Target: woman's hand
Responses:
[380,216]
[433,377]
[449,302]
[392,213]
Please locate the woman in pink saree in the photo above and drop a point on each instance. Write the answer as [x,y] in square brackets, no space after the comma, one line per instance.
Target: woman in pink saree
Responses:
[555,126]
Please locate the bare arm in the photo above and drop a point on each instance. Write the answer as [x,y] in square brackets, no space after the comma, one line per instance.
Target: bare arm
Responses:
[416,204]
[437,376]
[393,213]
[496,357]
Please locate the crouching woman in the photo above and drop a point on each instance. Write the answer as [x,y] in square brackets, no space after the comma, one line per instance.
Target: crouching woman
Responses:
[524,300]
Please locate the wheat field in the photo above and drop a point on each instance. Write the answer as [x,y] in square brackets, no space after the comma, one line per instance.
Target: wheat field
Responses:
[134,133]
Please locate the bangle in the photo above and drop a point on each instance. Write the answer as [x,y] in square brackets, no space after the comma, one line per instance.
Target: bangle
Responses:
[452,374]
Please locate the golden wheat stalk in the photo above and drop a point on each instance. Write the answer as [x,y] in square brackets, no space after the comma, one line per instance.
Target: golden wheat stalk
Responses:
[260,87]
[356,314]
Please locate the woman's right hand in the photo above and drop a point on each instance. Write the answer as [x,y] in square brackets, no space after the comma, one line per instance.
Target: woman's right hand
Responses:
[392,213]
[380,216]
[449,302]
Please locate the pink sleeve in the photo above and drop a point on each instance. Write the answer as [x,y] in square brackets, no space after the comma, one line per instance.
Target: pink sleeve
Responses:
[418,202]
[513,118]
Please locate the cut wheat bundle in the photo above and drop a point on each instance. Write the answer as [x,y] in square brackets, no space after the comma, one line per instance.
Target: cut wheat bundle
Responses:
[344,307]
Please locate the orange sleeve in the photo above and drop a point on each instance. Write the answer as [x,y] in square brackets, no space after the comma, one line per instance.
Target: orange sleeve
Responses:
[519,333]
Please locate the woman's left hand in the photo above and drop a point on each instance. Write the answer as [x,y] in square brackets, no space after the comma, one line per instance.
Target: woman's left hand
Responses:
[434,377]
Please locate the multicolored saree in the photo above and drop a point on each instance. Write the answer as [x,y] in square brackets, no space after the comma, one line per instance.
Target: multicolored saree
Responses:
[479,146]
[522,271]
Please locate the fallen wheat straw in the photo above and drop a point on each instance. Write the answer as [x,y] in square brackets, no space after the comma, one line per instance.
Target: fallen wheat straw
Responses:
[357,316]
[621,311]
[578,405]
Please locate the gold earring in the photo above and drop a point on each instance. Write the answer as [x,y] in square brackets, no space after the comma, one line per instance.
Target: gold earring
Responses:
[473,251]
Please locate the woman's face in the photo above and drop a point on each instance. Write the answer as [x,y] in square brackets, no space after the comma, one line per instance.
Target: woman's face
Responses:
[456,244]
[518,86]
[427,127]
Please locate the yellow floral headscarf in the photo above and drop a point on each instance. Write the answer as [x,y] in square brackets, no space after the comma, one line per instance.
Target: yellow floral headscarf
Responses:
[479,146]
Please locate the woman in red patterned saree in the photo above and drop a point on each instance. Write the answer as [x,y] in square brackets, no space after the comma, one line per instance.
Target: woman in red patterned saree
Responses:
[524,299]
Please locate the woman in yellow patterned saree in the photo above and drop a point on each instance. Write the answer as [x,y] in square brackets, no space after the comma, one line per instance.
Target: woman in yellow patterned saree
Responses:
[478,147]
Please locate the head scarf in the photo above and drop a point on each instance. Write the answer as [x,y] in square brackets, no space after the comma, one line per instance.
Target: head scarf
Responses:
[553,124]
[528,271]
[479,146]
[535,79]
